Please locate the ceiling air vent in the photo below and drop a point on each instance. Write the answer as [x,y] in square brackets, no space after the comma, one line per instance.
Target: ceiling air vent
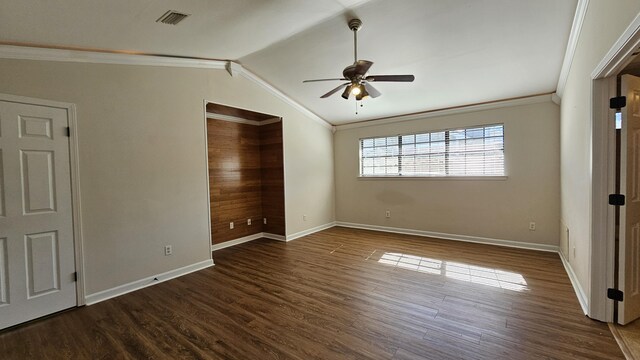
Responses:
[172,17]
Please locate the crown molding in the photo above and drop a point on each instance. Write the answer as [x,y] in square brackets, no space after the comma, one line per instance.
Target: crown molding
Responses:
[233,68]
[48,54]
[247,74]
[572,44]
[96,57]
[527,100]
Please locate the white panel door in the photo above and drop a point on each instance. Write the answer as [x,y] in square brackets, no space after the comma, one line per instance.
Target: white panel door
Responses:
[629,273]
[37,261]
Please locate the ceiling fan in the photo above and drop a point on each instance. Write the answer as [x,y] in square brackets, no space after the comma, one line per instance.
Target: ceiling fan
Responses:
[359,82]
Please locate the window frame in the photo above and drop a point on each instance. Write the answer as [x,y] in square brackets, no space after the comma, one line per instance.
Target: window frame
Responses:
[435,177]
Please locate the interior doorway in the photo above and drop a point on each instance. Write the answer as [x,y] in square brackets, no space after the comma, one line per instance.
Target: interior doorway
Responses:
[245,159]
[603,251]
[627,195]
[39,249]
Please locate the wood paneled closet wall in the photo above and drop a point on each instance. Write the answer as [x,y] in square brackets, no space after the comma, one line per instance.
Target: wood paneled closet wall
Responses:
[246,173]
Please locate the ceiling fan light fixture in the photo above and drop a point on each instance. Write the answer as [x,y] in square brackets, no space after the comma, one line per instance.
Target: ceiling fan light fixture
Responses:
[358,83]
[347,91]
[363,94]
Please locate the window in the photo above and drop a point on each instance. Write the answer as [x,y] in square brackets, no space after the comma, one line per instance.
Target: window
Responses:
[473,151]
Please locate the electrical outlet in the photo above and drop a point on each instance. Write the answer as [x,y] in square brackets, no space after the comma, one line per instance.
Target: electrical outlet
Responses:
[264,221]
[168,250]
[304,217]
[532,226]
[387,214]
[248,221]
[231,225]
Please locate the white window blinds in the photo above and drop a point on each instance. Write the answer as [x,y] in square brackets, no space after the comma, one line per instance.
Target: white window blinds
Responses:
[473,151]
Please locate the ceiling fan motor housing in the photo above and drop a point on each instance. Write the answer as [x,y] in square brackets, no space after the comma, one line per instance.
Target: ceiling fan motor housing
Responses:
[350,72]
[355,24]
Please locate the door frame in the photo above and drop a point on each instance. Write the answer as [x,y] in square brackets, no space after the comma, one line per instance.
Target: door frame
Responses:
[206,162]
[75,182]
[603,142]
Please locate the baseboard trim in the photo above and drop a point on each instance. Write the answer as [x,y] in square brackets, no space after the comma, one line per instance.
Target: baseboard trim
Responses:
[465,238]
[237,241]
[274,236]
[310,231]
[146,282]
[580,294]
[245,239]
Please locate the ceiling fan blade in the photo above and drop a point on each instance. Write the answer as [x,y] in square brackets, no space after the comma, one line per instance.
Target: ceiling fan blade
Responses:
[334,91]
[398,78]
[362,66]
[316,80]
[373,92]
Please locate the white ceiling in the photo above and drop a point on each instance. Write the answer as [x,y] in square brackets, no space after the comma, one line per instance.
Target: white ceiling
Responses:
[219,29]
[461,51]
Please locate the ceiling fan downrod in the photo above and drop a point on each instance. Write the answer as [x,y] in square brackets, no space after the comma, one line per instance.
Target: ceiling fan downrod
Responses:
[355,25]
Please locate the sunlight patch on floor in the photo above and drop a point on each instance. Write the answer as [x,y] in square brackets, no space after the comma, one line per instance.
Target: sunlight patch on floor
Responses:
[455,270]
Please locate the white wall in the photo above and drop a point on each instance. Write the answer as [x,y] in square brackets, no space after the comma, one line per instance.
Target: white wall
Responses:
[142,159]
[605,21]
[496,209]
[309,178]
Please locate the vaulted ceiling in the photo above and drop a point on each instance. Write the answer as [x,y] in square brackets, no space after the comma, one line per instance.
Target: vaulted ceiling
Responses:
[461,51]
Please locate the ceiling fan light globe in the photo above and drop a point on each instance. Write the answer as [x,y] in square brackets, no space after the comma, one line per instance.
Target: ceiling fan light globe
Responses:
[356,90]
[364,94]
[347,91]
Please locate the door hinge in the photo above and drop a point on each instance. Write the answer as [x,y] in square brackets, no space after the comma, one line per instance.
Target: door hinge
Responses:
[616,199]
[75,276]
[617,102]
[615,294]
[68,131]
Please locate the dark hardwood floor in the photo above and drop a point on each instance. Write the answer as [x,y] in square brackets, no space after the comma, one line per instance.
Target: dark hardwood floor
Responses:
[337,294]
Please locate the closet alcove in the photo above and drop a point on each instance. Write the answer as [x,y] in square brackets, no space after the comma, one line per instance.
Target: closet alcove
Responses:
[246,175]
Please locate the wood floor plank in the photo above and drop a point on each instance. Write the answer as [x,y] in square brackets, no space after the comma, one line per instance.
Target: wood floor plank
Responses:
[337,294]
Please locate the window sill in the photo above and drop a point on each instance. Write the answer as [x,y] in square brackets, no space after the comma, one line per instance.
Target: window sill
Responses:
[439,178]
